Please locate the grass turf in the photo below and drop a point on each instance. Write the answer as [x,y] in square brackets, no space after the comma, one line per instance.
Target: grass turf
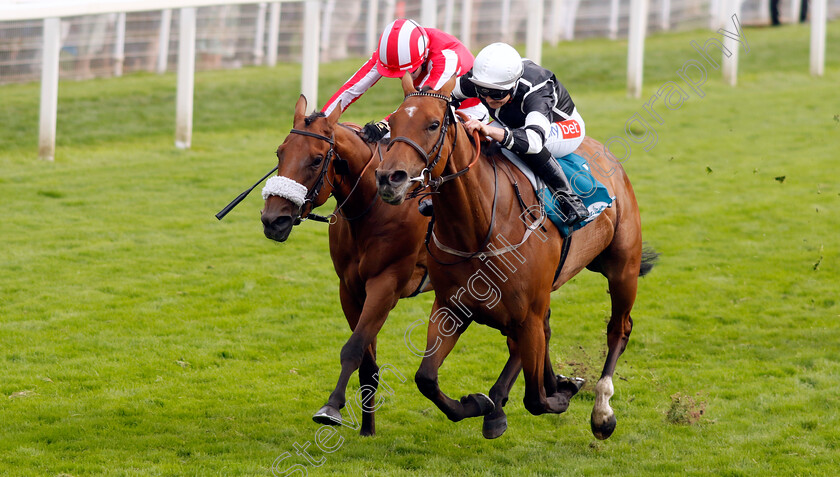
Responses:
[139,336]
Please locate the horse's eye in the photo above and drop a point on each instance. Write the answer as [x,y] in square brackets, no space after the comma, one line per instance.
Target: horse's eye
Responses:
[434,125]
[316,161]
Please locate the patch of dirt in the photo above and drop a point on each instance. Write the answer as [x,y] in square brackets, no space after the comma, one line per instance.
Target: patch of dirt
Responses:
[686,409]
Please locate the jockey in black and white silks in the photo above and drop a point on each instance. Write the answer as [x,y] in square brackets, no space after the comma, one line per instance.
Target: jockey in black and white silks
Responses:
[535,115]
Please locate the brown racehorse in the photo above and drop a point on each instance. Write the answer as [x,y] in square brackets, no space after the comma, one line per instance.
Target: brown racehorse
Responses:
[491,267]
[376,249]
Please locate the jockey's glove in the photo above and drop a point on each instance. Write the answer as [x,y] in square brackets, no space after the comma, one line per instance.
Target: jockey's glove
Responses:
[375,130]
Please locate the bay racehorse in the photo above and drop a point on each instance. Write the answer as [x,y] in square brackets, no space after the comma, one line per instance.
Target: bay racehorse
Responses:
[493,263]
[375,249]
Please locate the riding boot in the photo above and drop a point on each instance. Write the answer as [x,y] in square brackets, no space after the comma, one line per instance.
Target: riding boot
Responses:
[549,170]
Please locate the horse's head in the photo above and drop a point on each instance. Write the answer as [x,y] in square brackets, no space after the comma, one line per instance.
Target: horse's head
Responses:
[418,136]
[304,171]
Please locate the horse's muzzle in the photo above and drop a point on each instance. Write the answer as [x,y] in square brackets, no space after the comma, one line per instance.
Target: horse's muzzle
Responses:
[279,228]
[392,186]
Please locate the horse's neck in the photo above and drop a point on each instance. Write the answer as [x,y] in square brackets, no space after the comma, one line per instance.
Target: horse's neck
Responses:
[463,206]
[357,153]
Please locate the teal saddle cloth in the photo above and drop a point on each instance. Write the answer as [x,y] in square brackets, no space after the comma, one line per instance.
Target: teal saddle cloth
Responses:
[594,194]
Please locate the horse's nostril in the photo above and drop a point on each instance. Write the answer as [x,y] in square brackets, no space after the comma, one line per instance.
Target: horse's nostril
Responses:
[398,177]
[277,222]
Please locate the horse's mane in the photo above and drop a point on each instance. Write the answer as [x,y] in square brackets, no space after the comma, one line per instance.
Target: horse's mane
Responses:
[312,117]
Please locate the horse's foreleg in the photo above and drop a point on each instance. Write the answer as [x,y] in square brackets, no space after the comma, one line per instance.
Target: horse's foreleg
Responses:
[368,382]
[441,337]
[495,423]
[622,295]
[380,298]
[530,341]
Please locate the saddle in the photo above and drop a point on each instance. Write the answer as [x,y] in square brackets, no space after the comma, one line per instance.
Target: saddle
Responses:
[592,192]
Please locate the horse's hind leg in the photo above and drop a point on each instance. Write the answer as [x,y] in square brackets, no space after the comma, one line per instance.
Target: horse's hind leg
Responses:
[559,390]
[441,337]
[549,377]
[531,344]
[622,283]
[564,388]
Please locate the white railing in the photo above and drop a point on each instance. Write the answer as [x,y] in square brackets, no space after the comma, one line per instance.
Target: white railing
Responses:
[52,11]
[478,23]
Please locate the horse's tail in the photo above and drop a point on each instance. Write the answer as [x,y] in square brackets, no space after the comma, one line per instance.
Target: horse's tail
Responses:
[649,259]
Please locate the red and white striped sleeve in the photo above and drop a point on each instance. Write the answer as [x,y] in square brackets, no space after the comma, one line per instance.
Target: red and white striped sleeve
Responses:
[448,57]
[441,67]
[360,82]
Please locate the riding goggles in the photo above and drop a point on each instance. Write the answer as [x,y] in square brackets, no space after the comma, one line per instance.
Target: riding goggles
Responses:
[495,94]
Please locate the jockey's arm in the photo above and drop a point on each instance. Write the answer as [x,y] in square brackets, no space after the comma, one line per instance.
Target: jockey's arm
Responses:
[353,89]
[530,138]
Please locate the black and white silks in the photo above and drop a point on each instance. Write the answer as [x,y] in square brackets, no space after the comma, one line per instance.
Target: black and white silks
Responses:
[538,100]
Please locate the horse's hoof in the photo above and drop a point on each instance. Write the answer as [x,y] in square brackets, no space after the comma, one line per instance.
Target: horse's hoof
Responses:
[495,427]
[478,404]
[328,415]
[604,430]
[569,386]
[485,404]
[557,403]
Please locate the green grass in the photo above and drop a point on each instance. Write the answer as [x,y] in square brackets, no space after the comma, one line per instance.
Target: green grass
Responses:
[139,336]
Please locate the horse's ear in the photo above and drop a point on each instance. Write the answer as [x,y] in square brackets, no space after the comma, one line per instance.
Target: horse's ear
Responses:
[334,115]
[408,84]
[447,88]
[300,107]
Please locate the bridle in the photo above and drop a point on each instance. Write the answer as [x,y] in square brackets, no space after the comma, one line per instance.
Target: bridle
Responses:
[425,178]
[315,191]
[427,181]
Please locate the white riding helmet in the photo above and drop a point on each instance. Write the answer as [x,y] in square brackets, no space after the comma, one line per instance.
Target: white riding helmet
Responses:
[497,66]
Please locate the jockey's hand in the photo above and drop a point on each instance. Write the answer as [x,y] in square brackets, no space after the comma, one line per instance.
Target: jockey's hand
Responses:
[374,131]
[484,129]
[473,124]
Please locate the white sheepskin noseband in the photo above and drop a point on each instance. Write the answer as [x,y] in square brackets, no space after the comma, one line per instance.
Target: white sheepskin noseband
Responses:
[286,188]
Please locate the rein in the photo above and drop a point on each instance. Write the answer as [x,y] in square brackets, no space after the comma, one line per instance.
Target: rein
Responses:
[487,238]
[353,189]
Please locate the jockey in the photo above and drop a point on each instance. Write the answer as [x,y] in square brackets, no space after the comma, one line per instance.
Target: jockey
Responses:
[536,117]
[431,56]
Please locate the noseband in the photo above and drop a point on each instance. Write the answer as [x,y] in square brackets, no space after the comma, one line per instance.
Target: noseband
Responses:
[342,168]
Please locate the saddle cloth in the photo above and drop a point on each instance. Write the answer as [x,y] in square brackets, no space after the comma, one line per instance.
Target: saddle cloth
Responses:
[594,194]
